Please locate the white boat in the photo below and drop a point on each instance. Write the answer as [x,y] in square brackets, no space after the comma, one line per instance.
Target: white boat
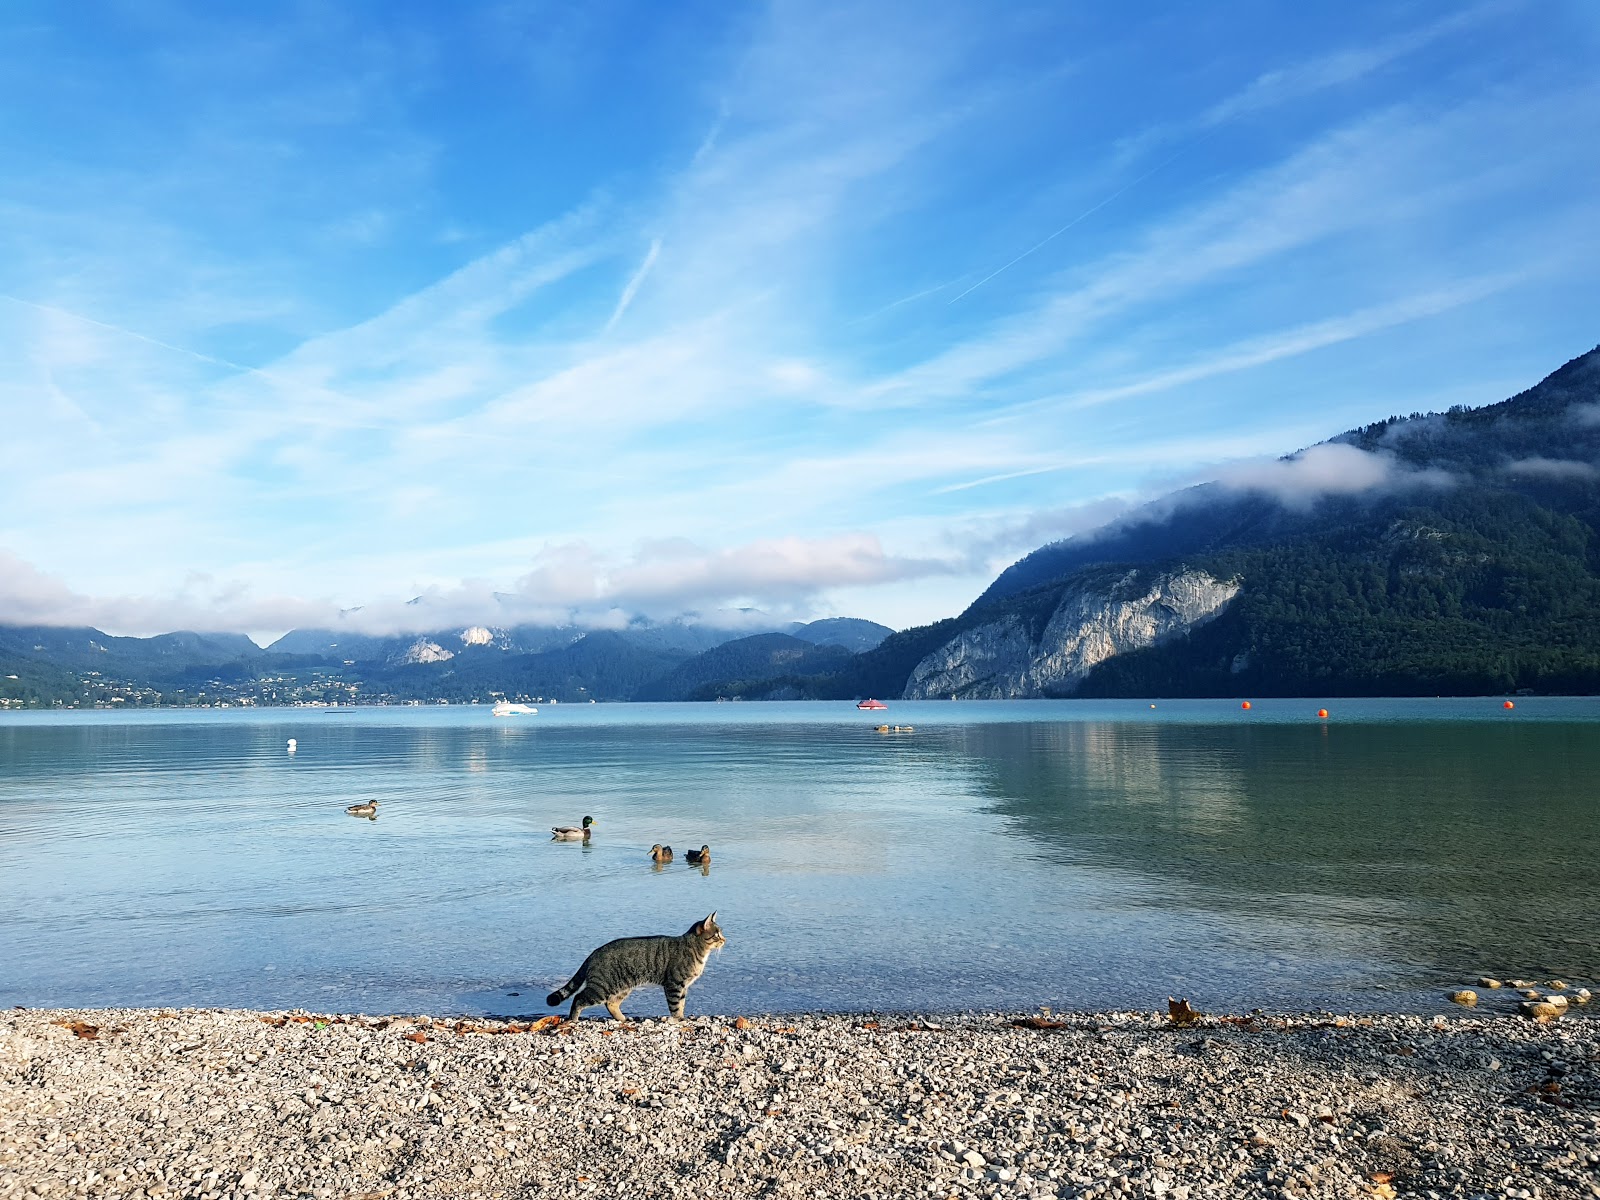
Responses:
[504,708]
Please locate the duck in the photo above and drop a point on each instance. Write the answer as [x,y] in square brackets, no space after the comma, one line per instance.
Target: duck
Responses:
[660,853]
[566,833]
[369,809]
[701,856]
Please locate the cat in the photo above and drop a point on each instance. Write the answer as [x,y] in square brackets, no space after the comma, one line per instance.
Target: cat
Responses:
[615,969]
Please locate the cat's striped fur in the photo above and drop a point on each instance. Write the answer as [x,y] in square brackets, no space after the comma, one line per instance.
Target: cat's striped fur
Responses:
[615,969]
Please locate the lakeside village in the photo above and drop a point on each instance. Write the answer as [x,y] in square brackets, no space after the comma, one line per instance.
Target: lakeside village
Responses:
[315,689]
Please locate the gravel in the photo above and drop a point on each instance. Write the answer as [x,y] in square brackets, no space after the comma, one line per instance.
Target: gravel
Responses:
[225,1103]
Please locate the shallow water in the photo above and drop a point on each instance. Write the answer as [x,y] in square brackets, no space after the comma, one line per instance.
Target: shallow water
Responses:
[1072,853]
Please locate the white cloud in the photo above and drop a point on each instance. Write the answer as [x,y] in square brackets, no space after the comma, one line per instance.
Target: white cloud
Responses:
[1553,468]
[569,583]
[1330,469]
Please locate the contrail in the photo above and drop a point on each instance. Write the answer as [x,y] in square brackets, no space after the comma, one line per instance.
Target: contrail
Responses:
[632,289]
[276,380]
[1081,217]
[106,325]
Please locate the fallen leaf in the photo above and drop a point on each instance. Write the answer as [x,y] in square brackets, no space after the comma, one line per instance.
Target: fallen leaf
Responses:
[742,1023]
[1384,1192]
[418,1037]
[867,1025]
[1038,1023]
[1179,1012]
[1381,1176]
[544,1023]
[82,1028]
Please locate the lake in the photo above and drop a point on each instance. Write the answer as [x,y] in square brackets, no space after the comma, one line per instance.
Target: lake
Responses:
[1077,854]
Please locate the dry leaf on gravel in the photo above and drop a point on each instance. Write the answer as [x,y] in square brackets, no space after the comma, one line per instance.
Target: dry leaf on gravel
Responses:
[1179,1012]
[1039,1023]
[82,1028]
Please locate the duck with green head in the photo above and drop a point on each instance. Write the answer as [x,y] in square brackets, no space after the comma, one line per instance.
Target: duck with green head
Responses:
[567,833]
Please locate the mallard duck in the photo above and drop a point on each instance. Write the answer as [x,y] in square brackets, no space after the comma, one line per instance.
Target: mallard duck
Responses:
[566,833]
[701,856]
[660,853]
[369,809]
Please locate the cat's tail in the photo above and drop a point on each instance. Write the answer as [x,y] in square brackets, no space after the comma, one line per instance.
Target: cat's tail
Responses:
[562,992]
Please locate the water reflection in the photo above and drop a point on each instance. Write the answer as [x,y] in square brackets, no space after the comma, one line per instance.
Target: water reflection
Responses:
[1467,848]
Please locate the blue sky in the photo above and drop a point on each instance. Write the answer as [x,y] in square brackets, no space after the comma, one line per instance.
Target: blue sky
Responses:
[591,311]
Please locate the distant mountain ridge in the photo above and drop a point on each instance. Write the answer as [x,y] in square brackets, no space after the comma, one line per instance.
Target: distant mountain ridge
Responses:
[72,665]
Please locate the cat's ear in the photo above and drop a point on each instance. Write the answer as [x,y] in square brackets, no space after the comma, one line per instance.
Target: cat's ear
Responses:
[711,921]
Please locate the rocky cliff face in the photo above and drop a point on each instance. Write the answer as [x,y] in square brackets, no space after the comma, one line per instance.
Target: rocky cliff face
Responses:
[1093,621]
[419,652]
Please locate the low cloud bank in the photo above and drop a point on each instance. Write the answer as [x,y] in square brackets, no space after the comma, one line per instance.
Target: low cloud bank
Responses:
[1553,468]
[29,596]
[1328,469]
[568,584]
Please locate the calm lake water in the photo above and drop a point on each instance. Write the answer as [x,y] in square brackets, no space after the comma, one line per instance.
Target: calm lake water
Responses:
[1080,854]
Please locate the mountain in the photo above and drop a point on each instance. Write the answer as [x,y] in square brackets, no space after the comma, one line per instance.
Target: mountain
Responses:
[85,649]
[1470,564]
[849,633]
[750,664]
[55,666]
[603,665]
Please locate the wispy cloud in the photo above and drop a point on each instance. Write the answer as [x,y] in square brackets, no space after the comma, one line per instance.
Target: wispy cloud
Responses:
[635,281]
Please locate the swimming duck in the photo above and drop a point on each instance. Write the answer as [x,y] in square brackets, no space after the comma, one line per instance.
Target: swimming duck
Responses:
[702,855]
[660,853]
[369,809]
[566,833]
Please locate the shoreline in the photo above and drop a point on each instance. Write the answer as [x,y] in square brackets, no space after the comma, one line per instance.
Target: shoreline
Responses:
[214,1103]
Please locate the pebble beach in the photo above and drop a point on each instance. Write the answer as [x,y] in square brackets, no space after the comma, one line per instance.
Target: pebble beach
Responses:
[217,1104]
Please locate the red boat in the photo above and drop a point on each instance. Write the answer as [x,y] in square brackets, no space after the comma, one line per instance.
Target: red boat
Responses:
[872,704]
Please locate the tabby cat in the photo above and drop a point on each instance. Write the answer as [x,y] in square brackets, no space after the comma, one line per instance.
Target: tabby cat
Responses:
[615,969]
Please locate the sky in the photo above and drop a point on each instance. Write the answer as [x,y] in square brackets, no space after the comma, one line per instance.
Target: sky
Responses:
[588,312]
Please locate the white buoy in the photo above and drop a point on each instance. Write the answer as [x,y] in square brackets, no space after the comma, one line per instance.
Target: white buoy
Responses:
[292,745]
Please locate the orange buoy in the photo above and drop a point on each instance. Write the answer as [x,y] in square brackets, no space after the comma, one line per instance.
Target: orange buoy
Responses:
[1323,713]
[1508,704]
[1245,705]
